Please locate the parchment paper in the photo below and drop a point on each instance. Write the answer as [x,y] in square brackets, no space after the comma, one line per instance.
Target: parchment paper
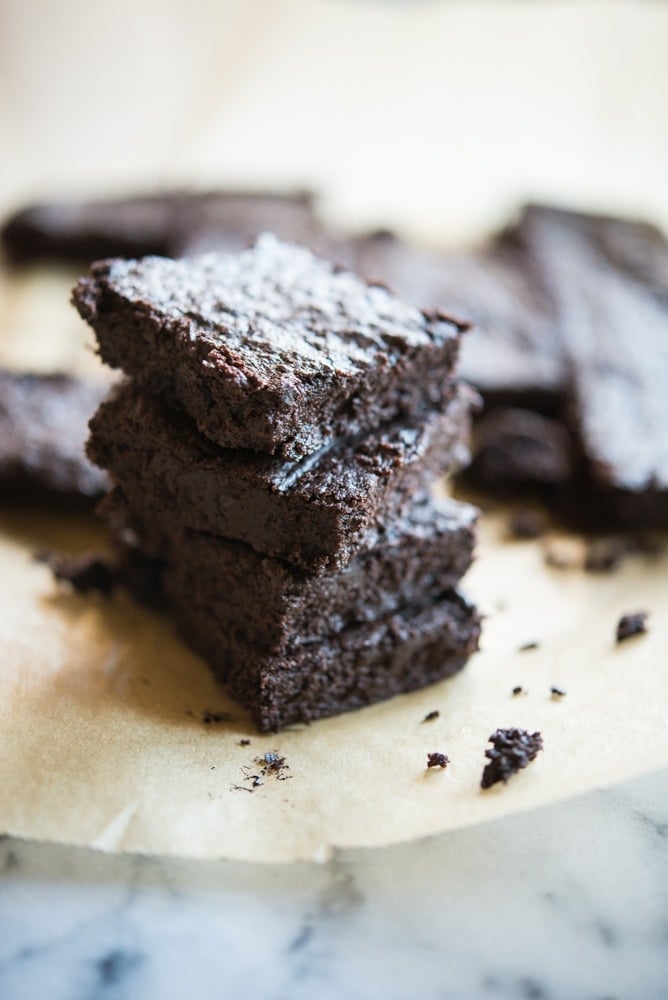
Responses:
[101,706]
[101,711]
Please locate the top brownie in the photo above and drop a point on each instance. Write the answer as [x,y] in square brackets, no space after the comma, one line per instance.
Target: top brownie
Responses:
[272,349]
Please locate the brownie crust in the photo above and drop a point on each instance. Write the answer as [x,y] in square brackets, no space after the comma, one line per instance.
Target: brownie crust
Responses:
[270,350]
[315,514]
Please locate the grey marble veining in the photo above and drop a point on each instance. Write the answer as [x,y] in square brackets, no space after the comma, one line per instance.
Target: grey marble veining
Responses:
[570,901]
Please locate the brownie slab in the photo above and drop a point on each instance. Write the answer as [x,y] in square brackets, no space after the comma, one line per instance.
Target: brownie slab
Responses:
[315,514]
[517,448]
[513,353]
[272,349]
[273,605]
[43,429]
[614,327]
[363,664]
[171,223]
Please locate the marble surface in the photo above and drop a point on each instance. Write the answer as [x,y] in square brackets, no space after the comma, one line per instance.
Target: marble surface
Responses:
[567,901]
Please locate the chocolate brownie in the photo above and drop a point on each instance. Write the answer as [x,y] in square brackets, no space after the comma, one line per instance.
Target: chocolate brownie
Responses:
[271,349]
[316,513]
[172,223]
[516,448]
[634,248]
[43,427]
[361,665]
[270,603]
[615,333]
[513,353]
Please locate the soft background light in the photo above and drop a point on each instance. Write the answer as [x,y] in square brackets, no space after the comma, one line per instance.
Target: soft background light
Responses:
[436,116]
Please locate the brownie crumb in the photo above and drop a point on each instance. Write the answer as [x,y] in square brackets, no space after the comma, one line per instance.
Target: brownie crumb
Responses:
[528,646]
[244,743]
[211,717]
[526,524]
[437,760]
[251,781]
[512,750]
[518,690]
[272,763]
[87,573]
[632,624]
[430,716]
[557,693]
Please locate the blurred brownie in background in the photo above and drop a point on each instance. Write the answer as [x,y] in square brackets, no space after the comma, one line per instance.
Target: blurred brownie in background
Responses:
[43,429]
[170,223]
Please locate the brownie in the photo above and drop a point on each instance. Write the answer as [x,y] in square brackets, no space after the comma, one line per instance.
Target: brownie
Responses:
[634,248]
[172,223]
[615,332]
[271,349]
[513,353]
[362,664]
[315,514]
[270,603]
[43,428]
[516,448]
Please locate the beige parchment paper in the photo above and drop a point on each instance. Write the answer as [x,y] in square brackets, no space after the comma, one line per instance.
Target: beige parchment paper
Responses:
[101,706]
[104,744]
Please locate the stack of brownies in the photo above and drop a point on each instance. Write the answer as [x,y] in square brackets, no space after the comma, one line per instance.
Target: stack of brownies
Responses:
[274,448]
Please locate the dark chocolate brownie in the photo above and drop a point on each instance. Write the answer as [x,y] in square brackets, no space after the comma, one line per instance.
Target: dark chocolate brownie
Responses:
[361,665]
[513,353]
[315,514]
[515,448]
[43,427]
[271,349]
[615,333]
[634,248]
[173,223]
[270,603]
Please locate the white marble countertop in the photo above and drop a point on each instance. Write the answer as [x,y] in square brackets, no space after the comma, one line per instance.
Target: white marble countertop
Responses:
[567,901]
